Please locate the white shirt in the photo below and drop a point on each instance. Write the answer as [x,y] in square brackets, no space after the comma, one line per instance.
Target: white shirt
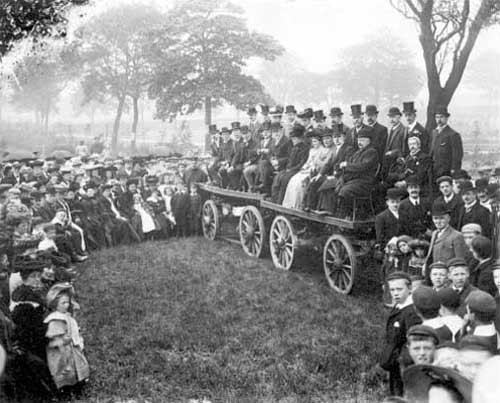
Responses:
[454,323]
[412,126]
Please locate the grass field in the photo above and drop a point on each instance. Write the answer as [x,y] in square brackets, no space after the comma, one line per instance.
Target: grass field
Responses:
[192,319]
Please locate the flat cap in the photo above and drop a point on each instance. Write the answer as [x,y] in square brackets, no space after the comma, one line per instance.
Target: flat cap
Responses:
[425,298]
[449,298]
[399,275]
[438,265]
[456,262]
[471,228]
[481,302]
[471,342]
[444,179]
[423,330]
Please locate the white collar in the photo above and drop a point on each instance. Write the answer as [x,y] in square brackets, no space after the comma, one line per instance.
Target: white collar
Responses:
[435,323]
[414,201]
[412,126]
[485,330]
[408,302]
[449,198]
[469,206]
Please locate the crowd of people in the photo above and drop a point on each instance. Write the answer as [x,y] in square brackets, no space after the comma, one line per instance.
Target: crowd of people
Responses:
[53,213]
[435,233]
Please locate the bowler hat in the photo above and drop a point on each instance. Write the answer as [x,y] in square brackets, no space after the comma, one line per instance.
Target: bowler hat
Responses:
[394,194]
[319,115]
[394,111]
[467,186]
[290,109]
[336,111]
[356,110]
[461,174]
[275,127]
[326,132]
[418,380]
[440,208]
[441,110]
[482,184]
[225,130]
[423,330]
[306,114]
[366,132]
[235,125]
[449,298]
[252,111]
[409,107]
[412,180]
[132,181]
[371,109]
[297,131]
[425,298]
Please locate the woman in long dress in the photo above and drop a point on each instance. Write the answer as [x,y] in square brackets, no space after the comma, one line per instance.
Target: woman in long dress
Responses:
[318,155]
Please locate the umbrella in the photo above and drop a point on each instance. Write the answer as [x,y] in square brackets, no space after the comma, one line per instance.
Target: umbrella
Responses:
[61,154]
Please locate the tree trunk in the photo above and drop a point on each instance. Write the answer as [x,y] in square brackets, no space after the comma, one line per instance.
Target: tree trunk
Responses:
[135,101]
[116,125]
[208,121]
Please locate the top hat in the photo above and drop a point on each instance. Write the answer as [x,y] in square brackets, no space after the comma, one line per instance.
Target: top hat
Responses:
[252,111]
[225,130]
[393,111]
[336,111]
[306,113]
[371,109]
[409,107]
[441,110]
[318,115]
[356,110]
[235,125]
[212,129]
[276,111]
[267,125]
[290,109]
[264,109]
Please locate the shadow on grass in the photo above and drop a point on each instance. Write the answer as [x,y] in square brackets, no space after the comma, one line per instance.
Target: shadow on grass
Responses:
[190,319]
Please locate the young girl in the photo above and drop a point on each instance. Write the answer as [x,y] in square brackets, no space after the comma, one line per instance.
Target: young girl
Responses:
[67,364]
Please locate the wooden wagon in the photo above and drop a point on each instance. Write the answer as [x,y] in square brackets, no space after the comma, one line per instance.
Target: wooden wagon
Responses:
[261,226]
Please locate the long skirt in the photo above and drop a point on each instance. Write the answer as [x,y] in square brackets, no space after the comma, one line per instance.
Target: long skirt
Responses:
[296,190]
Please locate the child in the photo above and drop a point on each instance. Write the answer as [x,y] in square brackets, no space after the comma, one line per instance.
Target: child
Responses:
[180,209]
[417,280]
[195,211]
[420,247]
[68,366]
[405,252]
[438,275]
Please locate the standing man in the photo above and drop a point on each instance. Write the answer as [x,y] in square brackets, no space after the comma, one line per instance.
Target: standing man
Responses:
[306,119]
[414,129]
[395,142]
[254,126]
[336,118]
[291,118]
[319,119]
[380,132]
[446,149]
[357,121]
[264,111]
[276,113]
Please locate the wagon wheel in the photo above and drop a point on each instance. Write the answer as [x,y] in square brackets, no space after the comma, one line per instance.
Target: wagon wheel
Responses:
[282,242]
[339,263]
[210,220]
[252,231]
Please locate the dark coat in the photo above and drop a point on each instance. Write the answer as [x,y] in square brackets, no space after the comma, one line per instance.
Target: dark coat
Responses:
[446,151]
[281,151]
[379,139]
[298,157]
[478,214]
[352,136]
[420,132]
[227,151]
[415,220]
[396,139]
[126,204]
[332,166]
[454,206]
[482,277]
[387,226]
[462,310]
[362,164]
[417,166]
[397,325]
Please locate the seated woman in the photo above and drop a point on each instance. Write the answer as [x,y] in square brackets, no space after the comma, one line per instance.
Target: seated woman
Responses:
[296,188]
[148,227]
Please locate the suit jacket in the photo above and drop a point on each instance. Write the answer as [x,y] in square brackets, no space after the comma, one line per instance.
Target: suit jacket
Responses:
[446,151]
[227,151]
[342,154]
[397,325]
[362,164]
[449,245]
[263,156]
[478,214]
[180,204]
[379,139]
[396,139]
[281,151]
[343,128]
[454,205]
[482,277]
[420,132]
[298,157]
[415,220]
[352,136]
[387,226]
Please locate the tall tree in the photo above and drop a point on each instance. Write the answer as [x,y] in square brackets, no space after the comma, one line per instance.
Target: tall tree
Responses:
[448,33]
[35,18]
[115,63]
[200,55]
[379,70]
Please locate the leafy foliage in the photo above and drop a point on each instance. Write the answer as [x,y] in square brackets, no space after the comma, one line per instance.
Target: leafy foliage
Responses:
[35,18]
[201,51]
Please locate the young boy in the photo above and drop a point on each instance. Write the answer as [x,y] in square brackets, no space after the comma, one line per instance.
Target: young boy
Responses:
[450,302]
[401,318]
[422,342]
[180,210]
[387,224]
[438,275]
[458,273]
[481,275]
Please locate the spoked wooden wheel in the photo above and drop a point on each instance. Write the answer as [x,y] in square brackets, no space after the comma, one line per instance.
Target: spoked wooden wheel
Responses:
[339,263]
[252,231]
[210,220]
[282,242]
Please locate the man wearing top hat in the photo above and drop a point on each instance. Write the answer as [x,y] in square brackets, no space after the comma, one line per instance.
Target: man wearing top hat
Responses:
[306,119]
[357,116]
[264,111]
[276,113]
[243,156]
[336,119]
[262,153]
[253,124]
[446,145]
[471,211]
[394,146]
[319,119]
[380,131]
[358,172]
[291,119]
[414,129]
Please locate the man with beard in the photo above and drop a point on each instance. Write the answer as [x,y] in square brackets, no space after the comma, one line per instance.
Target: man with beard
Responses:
[306,120]
[414,211]
[357,121]
[336,119]
[254,126]
[380,132]
[471,210]
[319,119]
[446,148]
[291,119]
[414,129]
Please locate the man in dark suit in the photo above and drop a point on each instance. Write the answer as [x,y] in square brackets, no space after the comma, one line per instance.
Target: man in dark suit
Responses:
[227,150]
[471,211]
[357,117]
[446,148]
[414,129]
[387,223]
[481,276]
[336,117]
[254,126]
[395,142]
[243,154]
[401,317]
[298,156]
[359,172]
[380,132]
[279,154]
[458,273]
[414,211]
[181,207]
[452,201]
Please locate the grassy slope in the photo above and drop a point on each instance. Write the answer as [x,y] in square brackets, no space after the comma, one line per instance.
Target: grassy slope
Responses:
[190,319]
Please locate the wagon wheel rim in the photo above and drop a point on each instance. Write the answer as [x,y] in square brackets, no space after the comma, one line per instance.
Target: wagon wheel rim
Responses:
[339,263]
[252,232]
[282,242]
[210,220]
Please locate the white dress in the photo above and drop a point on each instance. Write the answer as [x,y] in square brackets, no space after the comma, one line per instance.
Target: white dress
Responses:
[147,221]
[296,189]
